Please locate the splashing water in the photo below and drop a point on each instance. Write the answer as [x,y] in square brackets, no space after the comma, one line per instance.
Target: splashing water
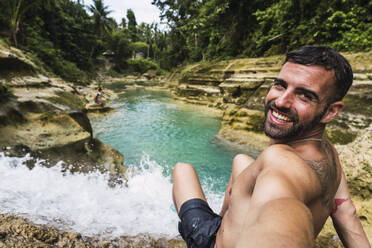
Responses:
[85,203]
[143,121]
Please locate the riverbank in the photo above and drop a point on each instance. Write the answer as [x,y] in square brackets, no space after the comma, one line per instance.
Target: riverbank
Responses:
[46,117]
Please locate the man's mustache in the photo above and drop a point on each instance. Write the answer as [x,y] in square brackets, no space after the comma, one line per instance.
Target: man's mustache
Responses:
[287,111]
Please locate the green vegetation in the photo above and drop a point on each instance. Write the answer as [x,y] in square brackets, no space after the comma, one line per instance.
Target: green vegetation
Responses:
[5,93]
[68,99]
[211,29]
[72,40]
[141,65]
[340,136]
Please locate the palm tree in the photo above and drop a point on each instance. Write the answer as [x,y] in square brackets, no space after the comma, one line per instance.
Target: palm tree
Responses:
[101,23]
[100,20]
[15,11]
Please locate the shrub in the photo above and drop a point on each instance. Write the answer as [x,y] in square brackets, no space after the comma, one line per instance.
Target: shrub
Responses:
[141,65]
[5,93]
[69,71]
[140,46]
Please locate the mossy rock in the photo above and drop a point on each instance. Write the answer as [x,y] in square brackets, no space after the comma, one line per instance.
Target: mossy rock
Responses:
[11,116]
[254,121]
[339,135]
[244,119]
[68,99]
[14,67]
[5,93]
[358,103]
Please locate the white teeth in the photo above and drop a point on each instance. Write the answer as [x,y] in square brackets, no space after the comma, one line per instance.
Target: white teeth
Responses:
[280,117]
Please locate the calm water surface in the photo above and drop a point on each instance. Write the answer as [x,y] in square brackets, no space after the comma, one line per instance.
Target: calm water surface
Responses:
[152,123]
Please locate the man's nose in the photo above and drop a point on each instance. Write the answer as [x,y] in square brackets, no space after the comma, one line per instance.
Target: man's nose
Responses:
[285,100]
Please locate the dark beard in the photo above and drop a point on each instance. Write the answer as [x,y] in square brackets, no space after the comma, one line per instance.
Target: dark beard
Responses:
[295,130]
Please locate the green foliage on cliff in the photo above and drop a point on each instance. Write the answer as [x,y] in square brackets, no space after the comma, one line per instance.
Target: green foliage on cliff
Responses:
[72,40]
[68,99]
[141,65]
[340,136]
[211,29]
[5,93]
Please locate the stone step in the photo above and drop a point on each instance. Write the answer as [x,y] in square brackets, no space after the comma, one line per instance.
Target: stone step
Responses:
[255,76]
[361,76]
[362,82]
[222,71]
[196,79]
[209,89]
[259,69]
[249,85]
[244,80]
[207,79]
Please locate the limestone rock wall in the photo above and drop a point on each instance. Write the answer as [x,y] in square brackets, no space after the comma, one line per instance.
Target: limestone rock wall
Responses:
[46,117]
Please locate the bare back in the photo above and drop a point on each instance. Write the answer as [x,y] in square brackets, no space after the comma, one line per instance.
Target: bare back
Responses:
[310,174]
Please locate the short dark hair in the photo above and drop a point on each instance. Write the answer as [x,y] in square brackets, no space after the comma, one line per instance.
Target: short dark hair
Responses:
[328,58]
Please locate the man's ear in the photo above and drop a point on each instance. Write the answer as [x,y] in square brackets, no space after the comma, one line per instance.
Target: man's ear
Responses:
[333,110]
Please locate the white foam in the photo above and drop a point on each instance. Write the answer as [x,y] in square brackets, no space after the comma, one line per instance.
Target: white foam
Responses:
[85,203]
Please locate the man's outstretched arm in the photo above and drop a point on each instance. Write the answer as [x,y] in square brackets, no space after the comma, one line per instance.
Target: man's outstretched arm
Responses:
[345,219]
[277,215]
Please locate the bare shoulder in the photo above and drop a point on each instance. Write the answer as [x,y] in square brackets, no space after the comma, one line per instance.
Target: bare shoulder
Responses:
[283,157]
[328,170]
[320,170]
[285,174]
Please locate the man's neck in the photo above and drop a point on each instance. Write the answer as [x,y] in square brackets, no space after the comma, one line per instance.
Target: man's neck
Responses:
[315,135]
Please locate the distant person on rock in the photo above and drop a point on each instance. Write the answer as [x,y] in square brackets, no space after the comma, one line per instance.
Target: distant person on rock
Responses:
[98,97]
[284,197]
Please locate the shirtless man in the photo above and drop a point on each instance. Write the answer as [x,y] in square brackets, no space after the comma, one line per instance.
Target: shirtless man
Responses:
[284,197]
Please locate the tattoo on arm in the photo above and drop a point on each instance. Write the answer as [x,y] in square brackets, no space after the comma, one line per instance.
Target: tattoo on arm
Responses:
[321,169]
[337,202]
[326,171]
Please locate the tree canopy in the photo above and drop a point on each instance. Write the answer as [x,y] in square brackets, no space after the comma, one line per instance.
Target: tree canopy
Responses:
[210,29]
[72,40]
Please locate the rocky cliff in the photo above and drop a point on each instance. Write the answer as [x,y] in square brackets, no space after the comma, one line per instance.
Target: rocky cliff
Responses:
[46,117]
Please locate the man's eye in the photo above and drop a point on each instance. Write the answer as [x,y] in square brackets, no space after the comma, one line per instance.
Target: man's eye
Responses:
[278,85]
[305,97]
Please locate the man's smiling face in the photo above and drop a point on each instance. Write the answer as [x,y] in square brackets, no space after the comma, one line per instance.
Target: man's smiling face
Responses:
[297,101]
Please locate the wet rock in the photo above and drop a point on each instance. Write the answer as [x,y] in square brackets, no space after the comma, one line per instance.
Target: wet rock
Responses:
[19,232]
[97,108]
[46,117]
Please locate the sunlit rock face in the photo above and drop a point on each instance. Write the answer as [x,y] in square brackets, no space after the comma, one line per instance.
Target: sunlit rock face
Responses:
[47,117]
